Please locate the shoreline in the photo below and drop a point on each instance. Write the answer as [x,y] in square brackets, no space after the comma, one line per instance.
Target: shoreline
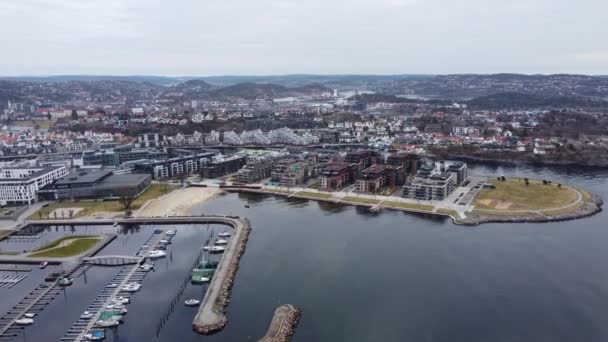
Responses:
[589,207]
[178,203]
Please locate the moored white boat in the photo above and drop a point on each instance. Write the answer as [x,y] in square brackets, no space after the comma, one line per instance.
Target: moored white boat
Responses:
[218,249]
[146,267]
[220,242]
[157,254]
[120,300]
[24,321]
[43,264]
[131,287]
[29,315]
[192,302]
[171,232]
[87,315]
[224,234]
[107,324]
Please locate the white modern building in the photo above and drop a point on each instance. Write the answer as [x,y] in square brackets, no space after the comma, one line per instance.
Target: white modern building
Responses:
[20,186]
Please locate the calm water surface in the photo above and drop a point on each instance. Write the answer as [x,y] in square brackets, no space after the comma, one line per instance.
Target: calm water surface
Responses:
[391,276]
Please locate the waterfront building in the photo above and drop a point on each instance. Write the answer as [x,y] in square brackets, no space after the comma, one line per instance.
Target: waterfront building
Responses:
[100,184]
[337,175]
[255,171]
[20,186]
[435,187]
[220,166]
[379,177]
[436,181]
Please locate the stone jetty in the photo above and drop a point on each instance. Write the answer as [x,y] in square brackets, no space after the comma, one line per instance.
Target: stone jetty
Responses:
[211,316]
[283,324]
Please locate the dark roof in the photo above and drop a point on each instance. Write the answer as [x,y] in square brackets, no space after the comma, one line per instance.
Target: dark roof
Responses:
[84,176]
[130,179]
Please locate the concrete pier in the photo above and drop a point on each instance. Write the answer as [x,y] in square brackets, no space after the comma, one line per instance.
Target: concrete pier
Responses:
[283,324]
[211,316]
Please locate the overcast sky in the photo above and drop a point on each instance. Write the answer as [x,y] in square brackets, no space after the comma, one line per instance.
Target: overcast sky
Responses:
[219,37]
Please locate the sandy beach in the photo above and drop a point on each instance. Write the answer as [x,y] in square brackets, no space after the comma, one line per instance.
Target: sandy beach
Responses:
[178,203]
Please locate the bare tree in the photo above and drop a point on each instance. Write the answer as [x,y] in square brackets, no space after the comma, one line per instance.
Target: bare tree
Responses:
[71,213]
[127,201]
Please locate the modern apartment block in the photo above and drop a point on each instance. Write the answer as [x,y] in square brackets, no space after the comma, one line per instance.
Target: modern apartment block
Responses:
[378,177]
[20,186]
[255,171]
[151,140]
[436,181]
[337,175]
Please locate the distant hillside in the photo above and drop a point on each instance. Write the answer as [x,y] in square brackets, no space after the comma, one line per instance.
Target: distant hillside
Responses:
[161,80]
[251,91]
[463,87]
[192,89]
[518,100]
[376,98]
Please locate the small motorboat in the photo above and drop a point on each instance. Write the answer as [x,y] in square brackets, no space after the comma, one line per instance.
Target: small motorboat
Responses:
[24,321]
[121,300]
[217,249]
[221,242]
[107,323]
[164,242]
[112,286]
[146,267]
[171,232]
[87,315]
[156,254]
[115,224]
[214,249]
[131,287]
[161,247]
[246,205]
[192,302]
[65,281]
[29,315]
[224,234]
[44,264]
[96,335]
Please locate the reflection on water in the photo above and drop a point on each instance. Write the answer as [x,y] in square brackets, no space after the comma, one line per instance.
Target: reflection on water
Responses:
[389,276]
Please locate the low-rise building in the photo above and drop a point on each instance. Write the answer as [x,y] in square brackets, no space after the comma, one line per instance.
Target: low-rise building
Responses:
[100,184]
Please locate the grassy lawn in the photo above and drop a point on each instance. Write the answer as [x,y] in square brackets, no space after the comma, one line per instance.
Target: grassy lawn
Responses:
[280,191]
[90,207]
[515,195]
[447,212]
[408,205]
[74,246]
[313,194]
[361,200]
[563,211]
[504,213]
[56,243]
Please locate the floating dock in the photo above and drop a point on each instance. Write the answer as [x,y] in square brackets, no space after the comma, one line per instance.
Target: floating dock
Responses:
[211,316]
[283,324]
